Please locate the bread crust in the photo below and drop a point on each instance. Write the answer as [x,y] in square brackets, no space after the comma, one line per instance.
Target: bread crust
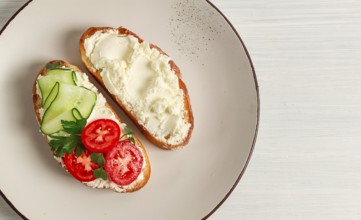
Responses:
[188,113]
[37,102]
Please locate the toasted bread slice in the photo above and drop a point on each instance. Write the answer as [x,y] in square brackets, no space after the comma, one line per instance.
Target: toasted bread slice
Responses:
[142,179]
[168,123]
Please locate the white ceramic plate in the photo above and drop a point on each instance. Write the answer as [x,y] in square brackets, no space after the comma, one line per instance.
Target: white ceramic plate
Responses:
[185,184]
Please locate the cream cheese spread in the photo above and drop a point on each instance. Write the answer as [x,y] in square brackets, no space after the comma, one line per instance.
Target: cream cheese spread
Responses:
[141,77]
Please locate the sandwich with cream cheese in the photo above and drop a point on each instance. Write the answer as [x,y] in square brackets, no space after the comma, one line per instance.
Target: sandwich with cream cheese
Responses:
[143,80]
[84,133]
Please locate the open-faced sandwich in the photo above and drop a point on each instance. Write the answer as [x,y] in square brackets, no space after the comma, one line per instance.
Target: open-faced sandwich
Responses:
[144,82]
[85,135]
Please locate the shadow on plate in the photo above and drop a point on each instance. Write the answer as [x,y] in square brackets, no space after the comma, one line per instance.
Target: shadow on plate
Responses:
[21,89]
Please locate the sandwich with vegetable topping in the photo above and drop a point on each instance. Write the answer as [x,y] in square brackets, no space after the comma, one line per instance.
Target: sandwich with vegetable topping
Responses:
[84,133]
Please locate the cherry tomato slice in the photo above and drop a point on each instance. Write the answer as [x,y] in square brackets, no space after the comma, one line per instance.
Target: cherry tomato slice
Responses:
[82,168]
[123,163]
[100,135]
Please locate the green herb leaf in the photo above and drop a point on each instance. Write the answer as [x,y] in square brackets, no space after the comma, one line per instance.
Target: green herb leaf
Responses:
[131,139]
[79,149]
[59,152]
[70,143]
[97,158]
[73,127]
[127,130]
[55,144]
[50,66]
[100,173]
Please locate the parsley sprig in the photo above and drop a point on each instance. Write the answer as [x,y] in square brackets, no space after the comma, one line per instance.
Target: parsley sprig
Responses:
[99,159]
[71,141]
[50,66]
[128,132]
[66,144]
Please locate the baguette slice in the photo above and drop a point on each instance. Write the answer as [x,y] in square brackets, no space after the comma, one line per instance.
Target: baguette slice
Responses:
[97,183]
[175,136]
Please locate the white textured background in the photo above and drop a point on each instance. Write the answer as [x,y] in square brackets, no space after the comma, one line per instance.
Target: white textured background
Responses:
[307,159]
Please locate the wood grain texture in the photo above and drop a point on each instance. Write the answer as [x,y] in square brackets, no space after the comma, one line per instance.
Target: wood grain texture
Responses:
[307,159]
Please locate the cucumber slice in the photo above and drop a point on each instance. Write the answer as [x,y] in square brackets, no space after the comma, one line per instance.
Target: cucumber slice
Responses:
[57,71]
[54,125]
[77,114]
[70,97]
[52,95]
[47,82]
[60,71]
[67,98]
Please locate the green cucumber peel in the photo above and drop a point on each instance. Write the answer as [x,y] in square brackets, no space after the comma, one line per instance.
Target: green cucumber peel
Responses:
[52,96]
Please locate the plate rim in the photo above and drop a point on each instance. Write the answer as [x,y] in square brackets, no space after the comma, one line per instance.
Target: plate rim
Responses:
[257,116]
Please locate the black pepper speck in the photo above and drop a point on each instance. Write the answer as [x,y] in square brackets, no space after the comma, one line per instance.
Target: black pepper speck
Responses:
[194,25]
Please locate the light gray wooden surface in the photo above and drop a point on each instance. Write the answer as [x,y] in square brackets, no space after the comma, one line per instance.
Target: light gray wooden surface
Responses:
[307,159]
